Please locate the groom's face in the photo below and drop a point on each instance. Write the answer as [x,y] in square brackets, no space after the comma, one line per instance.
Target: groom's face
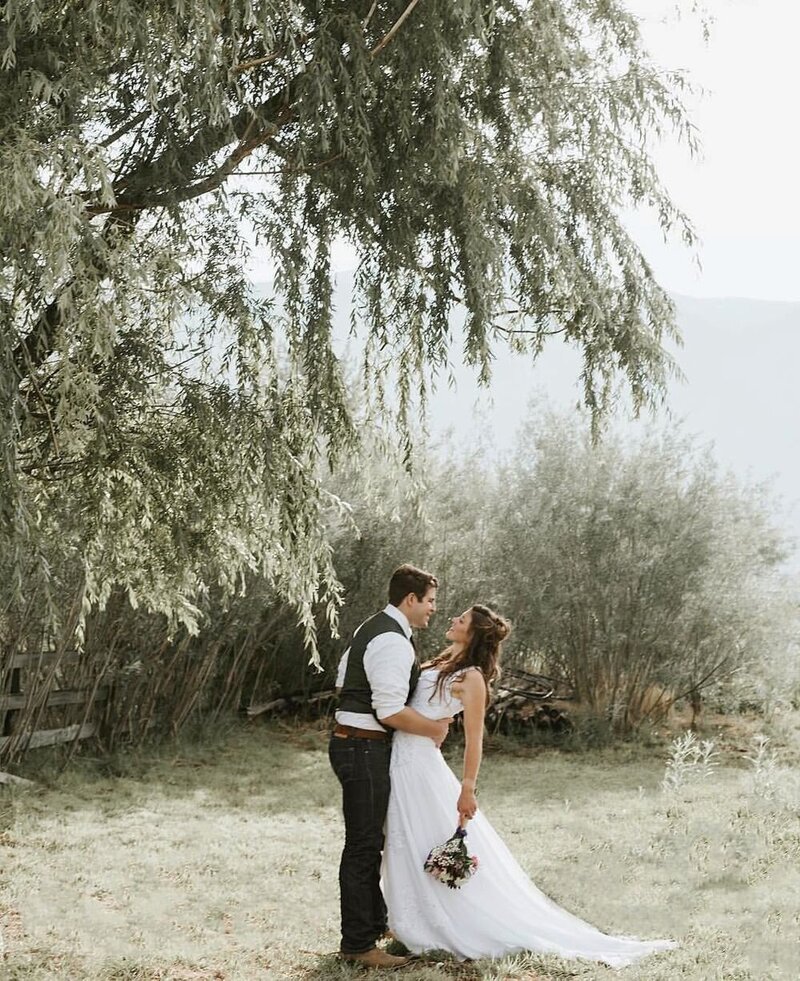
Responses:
[421,610]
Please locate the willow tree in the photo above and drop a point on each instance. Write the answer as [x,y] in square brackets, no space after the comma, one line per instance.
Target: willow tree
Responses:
[162,421]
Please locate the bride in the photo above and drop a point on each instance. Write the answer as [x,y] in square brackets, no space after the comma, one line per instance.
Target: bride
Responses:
[498,911]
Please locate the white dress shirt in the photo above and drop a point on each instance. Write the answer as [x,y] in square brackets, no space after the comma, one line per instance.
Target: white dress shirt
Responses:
[387,662]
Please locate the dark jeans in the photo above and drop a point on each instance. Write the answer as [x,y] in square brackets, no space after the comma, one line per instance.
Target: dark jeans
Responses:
[362,766]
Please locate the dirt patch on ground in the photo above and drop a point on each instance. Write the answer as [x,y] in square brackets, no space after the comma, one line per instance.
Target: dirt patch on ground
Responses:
[11,924]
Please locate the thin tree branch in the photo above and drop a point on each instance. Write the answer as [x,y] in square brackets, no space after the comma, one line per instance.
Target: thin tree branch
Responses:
[126,128]
[159,133]
[368,18]
[32,377]
[308,169]
[390,34]
[699,685]
[246,66]
[210,183]
[152,173]
[509,331]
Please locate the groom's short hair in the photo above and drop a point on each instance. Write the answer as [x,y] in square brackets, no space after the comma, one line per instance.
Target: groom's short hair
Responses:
[409,579]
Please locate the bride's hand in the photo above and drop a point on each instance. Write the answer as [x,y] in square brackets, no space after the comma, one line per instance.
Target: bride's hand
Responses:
[467,804]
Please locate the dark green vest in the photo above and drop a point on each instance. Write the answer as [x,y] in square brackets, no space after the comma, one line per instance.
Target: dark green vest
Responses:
[356,695]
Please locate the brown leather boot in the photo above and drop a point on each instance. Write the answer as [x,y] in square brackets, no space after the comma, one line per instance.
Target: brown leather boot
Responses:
[376,958]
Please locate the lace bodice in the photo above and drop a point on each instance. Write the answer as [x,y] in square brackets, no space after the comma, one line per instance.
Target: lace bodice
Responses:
[442,704]
[408,748]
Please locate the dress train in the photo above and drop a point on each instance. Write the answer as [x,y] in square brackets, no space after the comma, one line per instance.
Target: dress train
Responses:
[498,911]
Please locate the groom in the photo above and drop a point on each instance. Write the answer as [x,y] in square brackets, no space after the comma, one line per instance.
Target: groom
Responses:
[377,675]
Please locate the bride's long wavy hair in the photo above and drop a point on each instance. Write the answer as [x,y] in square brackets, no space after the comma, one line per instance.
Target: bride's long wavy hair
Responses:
[488,630]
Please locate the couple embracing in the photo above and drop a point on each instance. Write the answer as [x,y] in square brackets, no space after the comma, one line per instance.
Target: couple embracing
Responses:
[401,799]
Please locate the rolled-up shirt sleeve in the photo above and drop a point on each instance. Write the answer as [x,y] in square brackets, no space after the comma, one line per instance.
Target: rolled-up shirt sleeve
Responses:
[387,663]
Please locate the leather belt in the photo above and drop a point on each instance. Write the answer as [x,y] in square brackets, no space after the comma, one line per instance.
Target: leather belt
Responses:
[350,732]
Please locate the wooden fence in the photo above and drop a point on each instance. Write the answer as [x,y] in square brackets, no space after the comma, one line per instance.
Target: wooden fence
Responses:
[40,705]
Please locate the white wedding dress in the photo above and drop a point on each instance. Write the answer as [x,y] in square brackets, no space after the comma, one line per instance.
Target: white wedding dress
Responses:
[498,911]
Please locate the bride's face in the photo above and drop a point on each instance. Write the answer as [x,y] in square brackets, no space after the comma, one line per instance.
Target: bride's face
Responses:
[460,629]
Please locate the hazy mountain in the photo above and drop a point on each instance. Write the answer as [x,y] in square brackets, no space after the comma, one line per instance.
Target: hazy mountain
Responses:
[739,357]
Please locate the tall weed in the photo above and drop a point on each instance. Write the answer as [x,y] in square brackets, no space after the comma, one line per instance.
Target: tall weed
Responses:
[690,759]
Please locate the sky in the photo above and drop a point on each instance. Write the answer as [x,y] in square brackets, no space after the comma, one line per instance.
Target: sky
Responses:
[743,194]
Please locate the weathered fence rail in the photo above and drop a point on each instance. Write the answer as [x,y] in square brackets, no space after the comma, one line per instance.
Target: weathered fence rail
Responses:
[50,737]
[64,696]
[31,685]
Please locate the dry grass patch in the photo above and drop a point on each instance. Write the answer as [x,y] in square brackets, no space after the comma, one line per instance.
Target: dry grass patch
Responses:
[219,862]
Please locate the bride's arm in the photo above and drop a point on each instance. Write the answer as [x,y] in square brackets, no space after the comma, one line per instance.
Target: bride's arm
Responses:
[472,693]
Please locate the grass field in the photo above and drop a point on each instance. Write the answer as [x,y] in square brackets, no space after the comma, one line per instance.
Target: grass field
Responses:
[219,861]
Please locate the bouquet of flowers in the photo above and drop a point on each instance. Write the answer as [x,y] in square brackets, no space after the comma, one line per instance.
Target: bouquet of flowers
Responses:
[450,862]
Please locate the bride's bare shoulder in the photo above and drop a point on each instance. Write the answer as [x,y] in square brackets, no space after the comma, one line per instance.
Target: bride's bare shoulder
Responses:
[468,680]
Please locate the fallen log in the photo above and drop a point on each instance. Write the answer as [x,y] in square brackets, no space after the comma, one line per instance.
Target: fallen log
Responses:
[10,778]
[293,703]
[259,709]
[535,685]
[524,699]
